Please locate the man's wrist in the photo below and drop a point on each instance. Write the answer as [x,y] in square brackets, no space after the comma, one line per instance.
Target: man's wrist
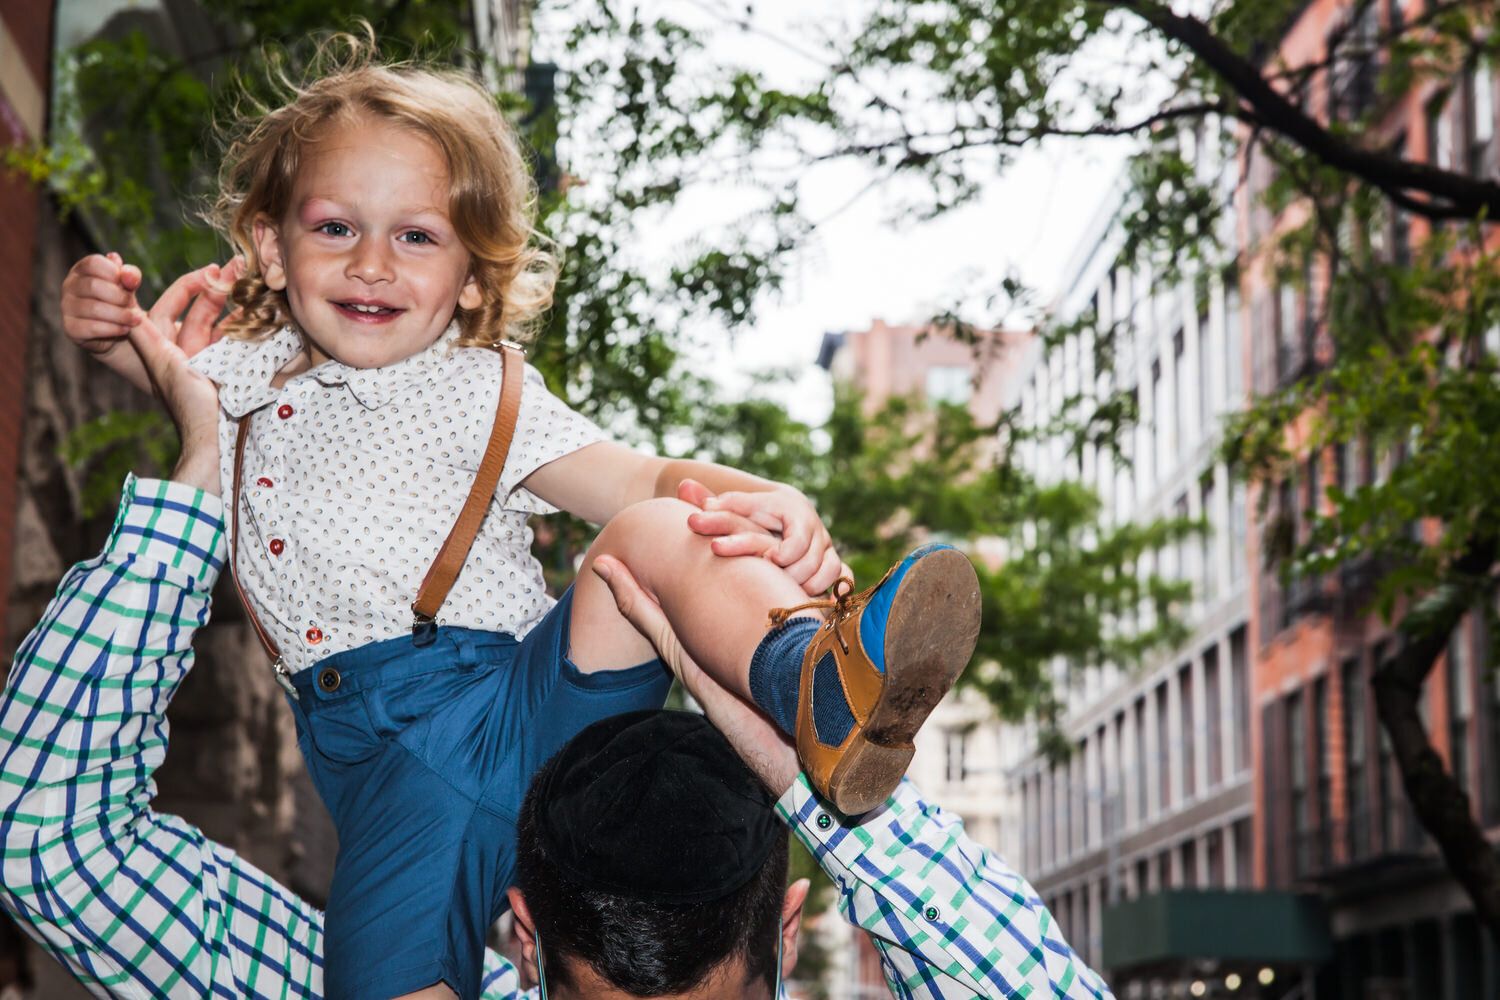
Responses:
[198,464]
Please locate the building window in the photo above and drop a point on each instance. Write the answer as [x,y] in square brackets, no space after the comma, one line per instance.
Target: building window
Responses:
[1209,543]
[1212,705]
[1440,133]
[1239,531]
[1205,372]
[1159,421]
[950,384]
[1323,766]
[1163,750]
[1296,731]
[1080,796]
[1098,803]
[956,744]
[1140,759]
[1479,94]
[1190,864]
[1164,870]
[1239,694]
[1244,854]
[1180,417]
[1213,848]
[1189,732]
[1357,816]
[1234,349]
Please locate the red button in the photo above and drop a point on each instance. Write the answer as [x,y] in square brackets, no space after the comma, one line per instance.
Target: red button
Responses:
[285,410]
[263,481]
[314,635]
[277,546]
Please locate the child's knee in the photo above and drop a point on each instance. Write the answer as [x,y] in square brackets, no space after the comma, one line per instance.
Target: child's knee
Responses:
[656,526]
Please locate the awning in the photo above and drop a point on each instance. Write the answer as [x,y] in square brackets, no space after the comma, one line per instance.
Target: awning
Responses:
[1269,928]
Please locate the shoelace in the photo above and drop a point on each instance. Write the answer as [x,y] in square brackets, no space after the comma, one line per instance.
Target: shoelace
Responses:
[843,606]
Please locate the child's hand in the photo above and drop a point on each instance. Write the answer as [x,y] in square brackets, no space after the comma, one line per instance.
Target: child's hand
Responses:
[99,309]
[779,525]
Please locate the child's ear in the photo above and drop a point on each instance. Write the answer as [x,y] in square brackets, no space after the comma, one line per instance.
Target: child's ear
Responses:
[268,249]
[471,296]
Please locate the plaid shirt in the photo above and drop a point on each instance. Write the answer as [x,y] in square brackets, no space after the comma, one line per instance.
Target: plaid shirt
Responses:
[138,904]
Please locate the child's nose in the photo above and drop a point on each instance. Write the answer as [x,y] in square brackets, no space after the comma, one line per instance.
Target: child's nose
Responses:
[370,262]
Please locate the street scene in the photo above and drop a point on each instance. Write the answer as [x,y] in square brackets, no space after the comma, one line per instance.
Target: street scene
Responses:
[1120,379]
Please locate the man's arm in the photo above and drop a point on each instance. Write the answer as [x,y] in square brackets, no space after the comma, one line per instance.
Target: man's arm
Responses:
[949,917]
[134,903]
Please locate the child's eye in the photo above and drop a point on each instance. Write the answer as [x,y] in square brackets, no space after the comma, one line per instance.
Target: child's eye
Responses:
[416,236]
[334,229]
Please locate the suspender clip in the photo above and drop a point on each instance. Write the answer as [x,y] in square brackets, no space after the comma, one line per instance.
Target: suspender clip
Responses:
[284,678]
[423,629]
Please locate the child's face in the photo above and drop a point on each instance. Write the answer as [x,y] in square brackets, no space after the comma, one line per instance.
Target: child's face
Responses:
[372,267]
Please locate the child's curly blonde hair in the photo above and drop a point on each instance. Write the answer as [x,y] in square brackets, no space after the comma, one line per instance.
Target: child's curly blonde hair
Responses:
[492,205]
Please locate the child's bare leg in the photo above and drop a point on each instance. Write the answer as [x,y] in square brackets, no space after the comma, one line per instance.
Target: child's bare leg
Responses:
[718,606]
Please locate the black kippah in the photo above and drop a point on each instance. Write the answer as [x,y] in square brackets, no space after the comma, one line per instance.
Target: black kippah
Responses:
[654,806]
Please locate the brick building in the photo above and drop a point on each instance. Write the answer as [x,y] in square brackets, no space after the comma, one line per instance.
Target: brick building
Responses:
[1332,816]
[1232,822]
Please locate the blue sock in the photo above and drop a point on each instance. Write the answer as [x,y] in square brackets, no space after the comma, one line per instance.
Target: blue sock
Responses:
[776,677]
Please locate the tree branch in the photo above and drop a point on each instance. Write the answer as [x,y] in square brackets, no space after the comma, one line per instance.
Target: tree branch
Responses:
[1441,805]
[1450,194]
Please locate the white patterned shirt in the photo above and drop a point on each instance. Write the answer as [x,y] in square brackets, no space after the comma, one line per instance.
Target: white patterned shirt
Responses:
[353,478]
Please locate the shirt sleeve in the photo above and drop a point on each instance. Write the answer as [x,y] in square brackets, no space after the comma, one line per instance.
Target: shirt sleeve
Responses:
[546,429]
[949,917]
[135,903]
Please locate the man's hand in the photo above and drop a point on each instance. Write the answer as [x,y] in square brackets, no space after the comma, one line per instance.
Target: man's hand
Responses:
[190,397]
[99,310]
[768,753]
[780,525]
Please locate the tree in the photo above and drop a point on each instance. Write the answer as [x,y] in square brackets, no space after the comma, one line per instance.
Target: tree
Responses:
[1398,247]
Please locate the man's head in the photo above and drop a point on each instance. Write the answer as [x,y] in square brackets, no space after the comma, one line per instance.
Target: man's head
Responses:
[650,864]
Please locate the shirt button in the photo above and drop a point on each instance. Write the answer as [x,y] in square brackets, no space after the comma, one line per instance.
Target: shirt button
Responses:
[263,481]
[277,546]
[932,913]
[824,821]
[285,410]
[314,635]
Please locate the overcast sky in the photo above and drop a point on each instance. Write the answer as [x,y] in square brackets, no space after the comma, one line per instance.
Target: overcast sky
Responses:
[860,266]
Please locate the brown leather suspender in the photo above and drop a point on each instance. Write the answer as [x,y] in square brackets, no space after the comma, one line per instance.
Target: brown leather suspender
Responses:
[450,558]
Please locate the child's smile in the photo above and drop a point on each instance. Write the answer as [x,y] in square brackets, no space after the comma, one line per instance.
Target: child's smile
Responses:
[371,264]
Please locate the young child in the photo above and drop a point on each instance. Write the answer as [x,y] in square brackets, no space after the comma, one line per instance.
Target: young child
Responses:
[384,218]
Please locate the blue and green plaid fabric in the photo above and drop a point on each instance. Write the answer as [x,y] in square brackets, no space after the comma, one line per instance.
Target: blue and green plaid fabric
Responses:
[949,917]
[138,904]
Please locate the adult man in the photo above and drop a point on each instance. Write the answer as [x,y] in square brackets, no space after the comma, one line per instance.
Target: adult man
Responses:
[139,904]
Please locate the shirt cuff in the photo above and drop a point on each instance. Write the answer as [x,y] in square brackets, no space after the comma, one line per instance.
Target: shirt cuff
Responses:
[172,524]
[823,830]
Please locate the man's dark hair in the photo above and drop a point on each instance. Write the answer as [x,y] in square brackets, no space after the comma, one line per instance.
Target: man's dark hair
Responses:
[645,947]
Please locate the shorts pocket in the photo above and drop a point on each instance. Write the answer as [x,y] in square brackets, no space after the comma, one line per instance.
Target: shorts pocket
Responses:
[341,730]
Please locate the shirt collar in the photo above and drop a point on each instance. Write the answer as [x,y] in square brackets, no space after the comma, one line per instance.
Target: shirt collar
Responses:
[243,370]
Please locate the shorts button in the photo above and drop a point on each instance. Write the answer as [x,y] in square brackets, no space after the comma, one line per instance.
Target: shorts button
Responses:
[329,679]
[263,481]
[285,410]
[315,636]
[277,546]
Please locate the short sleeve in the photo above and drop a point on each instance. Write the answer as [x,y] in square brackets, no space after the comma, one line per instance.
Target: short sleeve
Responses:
[546,430]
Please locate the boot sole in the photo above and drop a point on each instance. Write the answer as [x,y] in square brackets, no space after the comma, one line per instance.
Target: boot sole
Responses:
[929,638]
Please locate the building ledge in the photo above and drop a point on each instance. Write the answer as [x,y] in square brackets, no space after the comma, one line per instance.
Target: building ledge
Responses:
[1271,928]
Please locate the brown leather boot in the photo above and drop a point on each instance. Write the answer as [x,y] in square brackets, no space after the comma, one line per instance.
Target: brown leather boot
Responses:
[889,654]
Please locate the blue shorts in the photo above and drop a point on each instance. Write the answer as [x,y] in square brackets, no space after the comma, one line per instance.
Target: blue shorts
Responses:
[422,756]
